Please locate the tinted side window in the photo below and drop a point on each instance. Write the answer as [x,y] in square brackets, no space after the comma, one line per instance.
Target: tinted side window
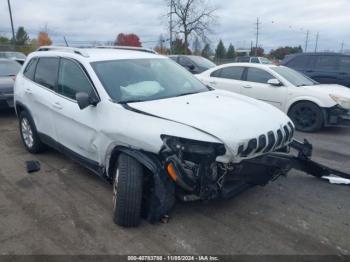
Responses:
[216,73]
[344,64]
[255,60]
[72,79]
[184,61]
[326,63]
[30,69]
[46,72]
[258,75]
[298,62]
[233,72]
[243,59]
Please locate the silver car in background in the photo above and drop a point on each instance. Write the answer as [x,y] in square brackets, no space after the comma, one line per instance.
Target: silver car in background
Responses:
[8,72]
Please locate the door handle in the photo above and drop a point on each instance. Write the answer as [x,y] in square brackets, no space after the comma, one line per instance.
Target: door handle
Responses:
[247,86]
[57,105]
[28,91]
[213,83]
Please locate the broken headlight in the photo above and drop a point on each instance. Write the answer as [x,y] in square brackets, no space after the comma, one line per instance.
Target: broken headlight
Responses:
[344,102]
[188,146]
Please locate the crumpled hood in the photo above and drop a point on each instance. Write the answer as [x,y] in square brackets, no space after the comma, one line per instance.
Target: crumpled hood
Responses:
[230,117]
[333,89]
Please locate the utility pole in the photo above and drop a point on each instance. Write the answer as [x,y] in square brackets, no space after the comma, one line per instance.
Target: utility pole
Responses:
[342,48]
[13,29]
[171,26]
[316,44]
[307,40]
[257,36]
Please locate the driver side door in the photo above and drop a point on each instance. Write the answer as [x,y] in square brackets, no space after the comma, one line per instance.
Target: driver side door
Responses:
[255,85]
[76,129]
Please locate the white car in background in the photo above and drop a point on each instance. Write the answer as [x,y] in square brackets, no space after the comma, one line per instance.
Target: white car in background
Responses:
[309,104]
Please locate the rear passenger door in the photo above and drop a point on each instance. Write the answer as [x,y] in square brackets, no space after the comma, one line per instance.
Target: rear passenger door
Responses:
[41,76]
[325,69]
[76,129]
[228,78]
[256,86]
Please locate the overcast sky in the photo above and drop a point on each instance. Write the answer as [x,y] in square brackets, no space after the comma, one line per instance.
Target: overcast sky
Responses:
[283,22]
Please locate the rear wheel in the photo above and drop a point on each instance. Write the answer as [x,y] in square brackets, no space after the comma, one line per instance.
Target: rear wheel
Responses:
[127,192]
[29,134]
[307,116]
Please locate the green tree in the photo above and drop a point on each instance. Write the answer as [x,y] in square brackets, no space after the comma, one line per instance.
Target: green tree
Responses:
[231,53]
[206,52]
[220,51]
[22,37]
[260,51]
[281,52]
[197,46]
[179,47]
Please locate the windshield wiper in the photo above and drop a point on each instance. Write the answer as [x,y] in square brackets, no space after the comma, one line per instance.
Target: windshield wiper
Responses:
[131,101]
[188,93]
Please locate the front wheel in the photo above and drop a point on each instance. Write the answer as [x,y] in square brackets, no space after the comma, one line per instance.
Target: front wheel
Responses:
[127,192]
[307,117]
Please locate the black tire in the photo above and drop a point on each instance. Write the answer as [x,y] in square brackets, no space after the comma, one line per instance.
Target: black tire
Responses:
[25,121]
[127,192]
[307,117]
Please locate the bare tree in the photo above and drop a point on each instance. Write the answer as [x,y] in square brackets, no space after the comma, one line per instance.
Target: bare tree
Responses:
[192,17]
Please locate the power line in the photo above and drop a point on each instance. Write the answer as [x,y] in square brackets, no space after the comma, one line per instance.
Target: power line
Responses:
[13,29]
[257,35]
[307,40]
[316,44]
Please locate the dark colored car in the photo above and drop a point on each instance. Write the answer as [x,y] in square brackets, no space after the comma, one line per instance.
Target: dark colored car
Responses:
[325,68]
[194,64]
[8,72]
[16,56]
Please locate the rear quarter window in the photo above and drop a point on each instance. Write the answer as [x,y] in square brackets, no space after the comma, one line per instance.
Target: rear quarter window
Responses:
[47,71]
[29,71]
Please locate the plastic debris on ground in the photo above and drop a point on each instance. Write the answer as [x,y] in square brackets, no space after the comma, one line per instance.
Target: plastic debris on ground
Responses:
[337,180]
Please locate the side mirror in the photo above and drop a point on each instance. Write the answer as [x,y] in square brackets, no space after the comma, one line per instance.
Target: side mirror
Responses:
[84,100]
[274,82]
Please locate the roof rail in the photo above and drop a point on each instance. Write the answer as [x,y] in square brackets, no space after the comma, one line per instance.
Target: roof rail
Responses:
[131,48]
[64,49]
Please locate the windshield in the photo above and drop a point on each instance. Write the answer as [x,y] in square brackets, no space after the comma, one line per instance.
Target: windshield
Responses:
[265,61]
[136,80]
[202,62]
[9,68]
[293,76]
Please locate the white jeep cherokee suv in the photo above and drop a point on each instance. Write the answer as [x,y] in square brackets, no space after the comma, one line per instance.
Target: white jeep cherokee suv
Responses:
[149,127]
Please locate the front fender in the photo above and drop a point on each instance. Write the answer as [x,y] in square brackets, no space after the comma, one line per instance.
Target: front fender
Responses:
[318,101]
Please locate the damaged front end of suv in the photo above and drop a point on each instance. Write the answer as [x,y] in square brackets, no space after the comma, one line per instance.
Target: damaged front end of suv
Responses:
[196,169]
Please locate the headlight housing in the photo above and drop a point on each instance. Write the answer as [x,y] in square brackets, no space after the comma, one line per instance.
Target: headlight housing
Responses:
[177,144]
[344,102]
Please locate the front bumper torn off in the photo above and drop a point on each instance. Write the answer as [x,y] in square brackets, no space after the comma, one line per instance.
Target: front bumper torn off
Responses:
[337,116]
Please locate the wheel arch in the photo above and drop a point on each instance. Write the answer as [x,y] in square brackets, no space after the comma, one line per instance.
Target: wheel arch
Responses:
[163,195]
[304,99]
[19,107]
